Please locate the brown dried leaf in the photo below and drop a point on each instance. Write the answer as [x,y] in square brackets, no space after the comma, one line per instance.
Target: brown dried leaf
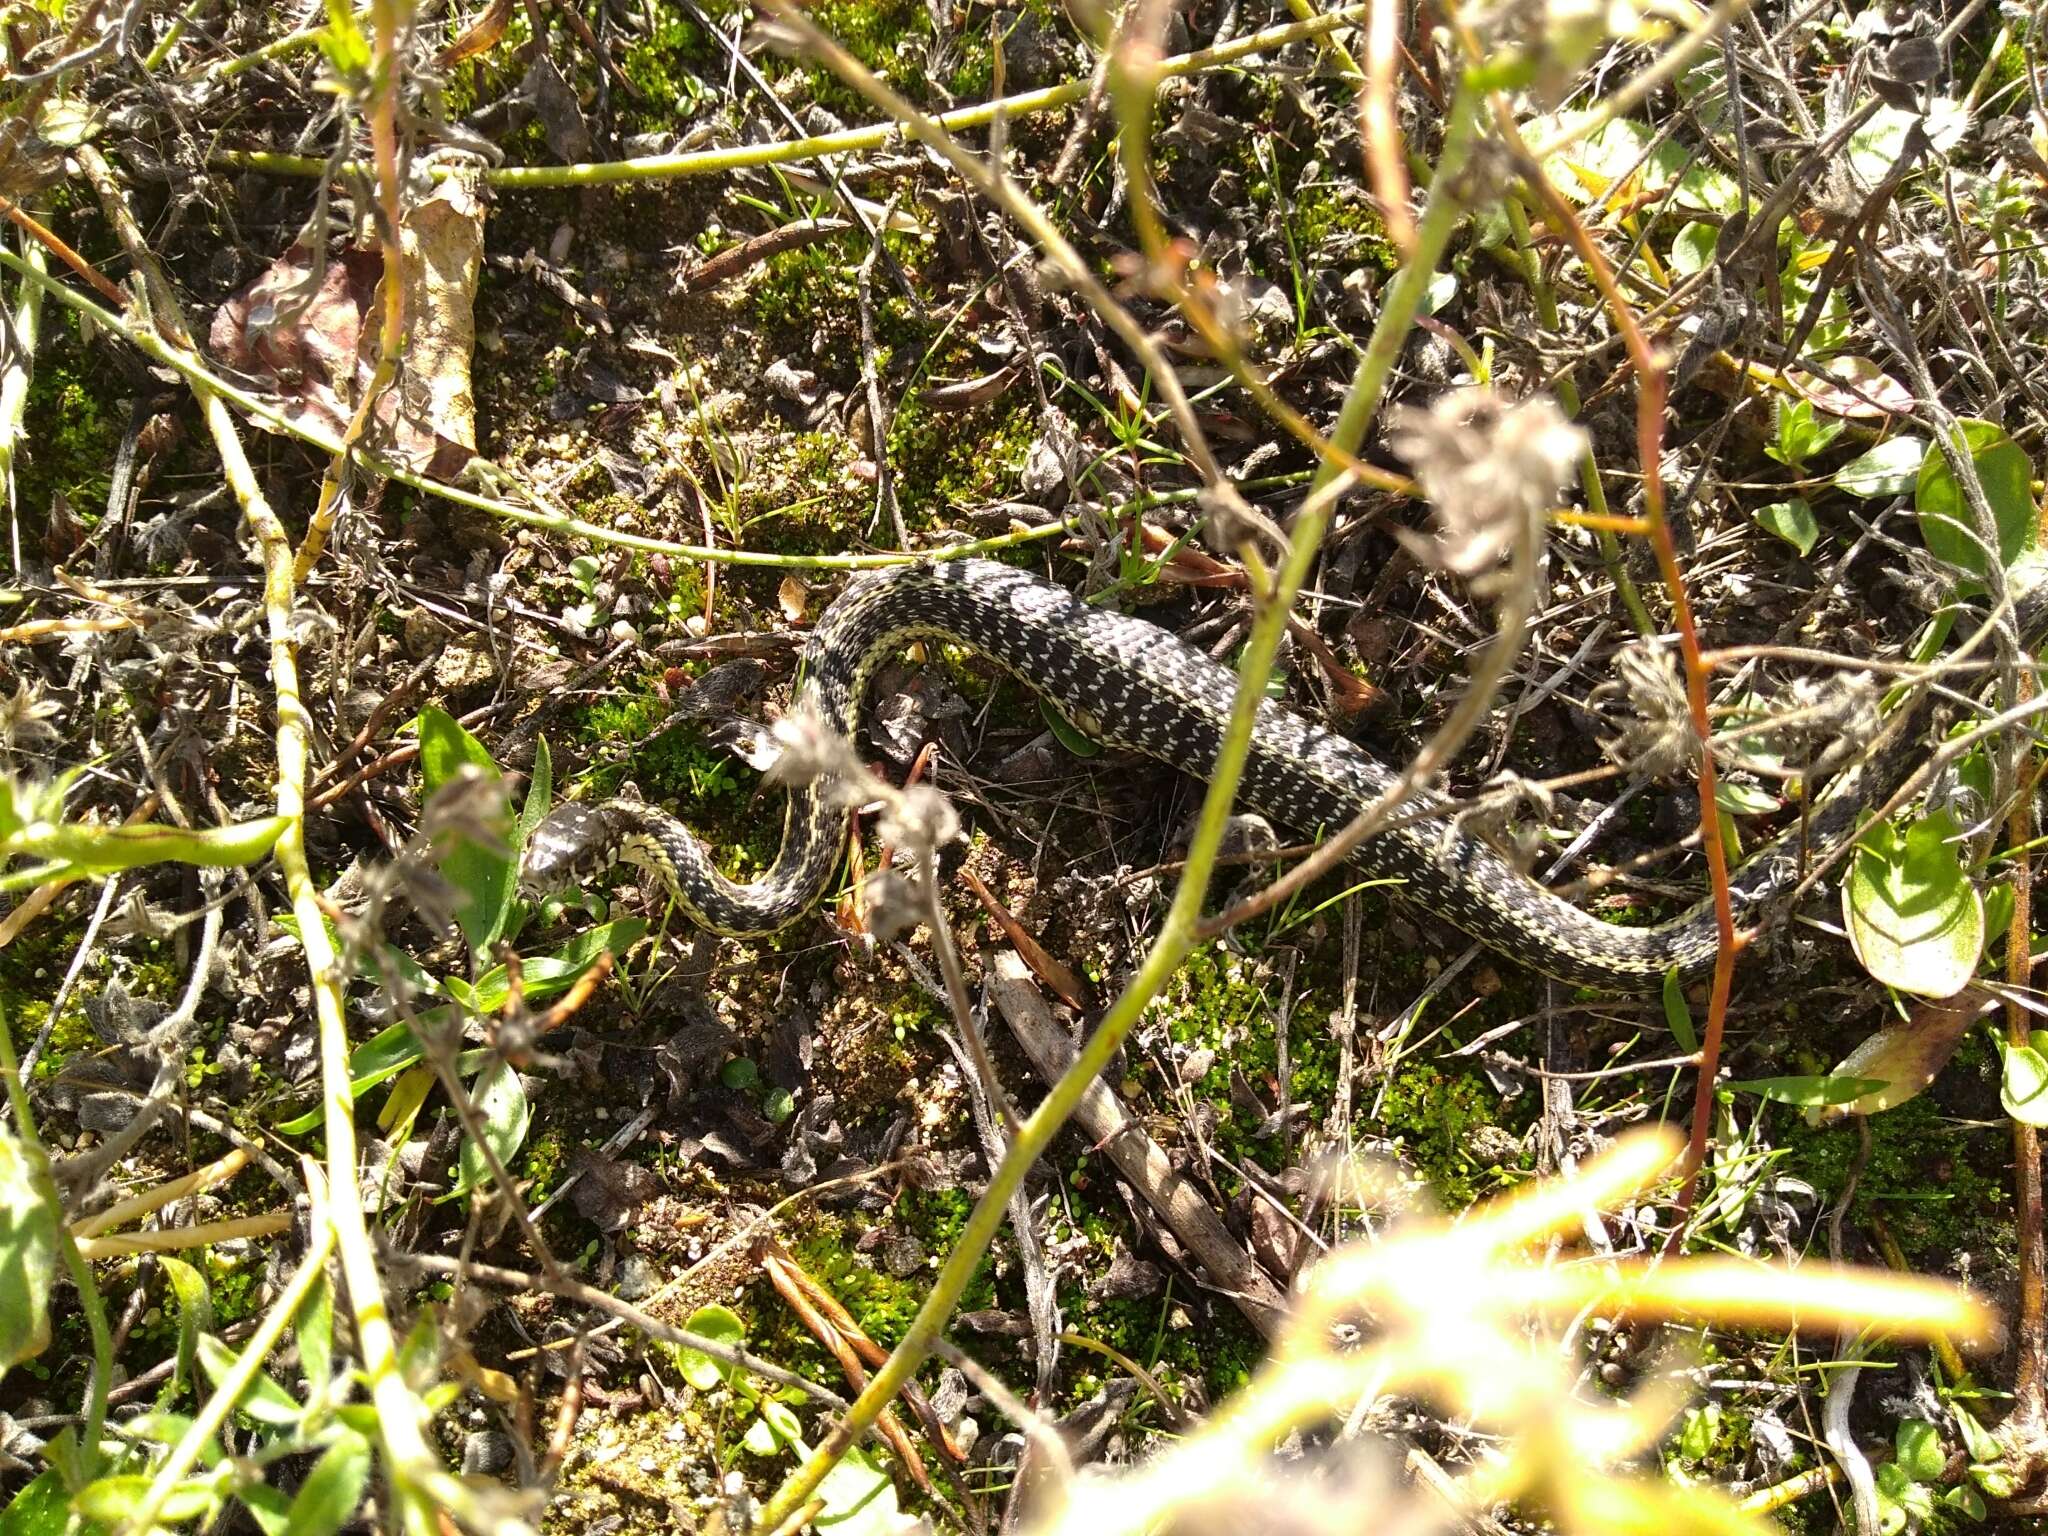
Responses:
[314,354]
[794,597]
[1906,1055]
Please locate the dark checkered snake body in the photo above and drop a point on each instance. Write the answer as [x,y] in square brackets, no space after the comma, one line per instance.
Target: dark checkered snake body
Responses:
[1131,684]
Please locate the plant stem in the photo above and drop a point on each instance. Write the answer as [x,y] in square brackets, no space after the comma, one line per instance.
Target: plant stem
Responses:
[715,162]
[214,1411]
[1404,296]
[1178,937]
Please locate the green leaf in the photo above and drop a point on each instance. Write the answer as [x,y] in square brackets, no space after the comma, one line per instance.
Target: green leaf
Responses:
[1914,918]
[1740,799]
[1696,1438]
[195,1317]
[1677,1014]
[332,1490]
[1976,1438]
[721,1325]
[384,1055]
[1065,731]
[1801,432]
[115,1499]
[1875,147]
[1692,249]
[487,876]
[1996,1478]
[540,793]
[1998,903]
[162,1427]
[343,42]
[1808,1092]
[760,1439]
[1947,526]
[43,1508]
[1918,1444]
[500,1098]
[777,1105]
[315,1330]
[781,1418]
[29,1216]
[859,1498]
[739,1074]
[544,976]
[1965,1501]
[2023,1086]
[267,1505]
[265,1401]
[1888,469]
[1793,521]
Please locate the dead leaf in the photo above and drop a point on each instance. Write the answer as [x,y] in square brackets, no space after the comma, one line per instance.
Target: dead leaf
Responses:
[480,35]
[795,598]
[442,245]
[300,345]
[311,350]
[1906,1054]
[1053,973]
[1852,387]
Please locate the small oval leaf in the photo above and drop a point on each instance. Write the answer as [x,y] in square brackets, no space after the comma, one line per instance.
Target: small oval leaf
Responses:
[1793,521]
[1914,918]
[1948,527]
[1886,470]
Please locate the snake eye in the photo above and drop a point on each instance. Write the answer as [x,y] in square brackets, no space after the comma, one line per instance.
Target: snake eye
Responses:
[571,839]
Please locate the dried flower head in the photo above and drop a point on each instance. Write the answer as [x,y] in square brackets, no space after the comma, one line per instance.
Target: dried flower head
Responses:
[1511,813]
[919,820]
[24,720]
[1645,705]
[1488,467]
[809,750]
[1827,723]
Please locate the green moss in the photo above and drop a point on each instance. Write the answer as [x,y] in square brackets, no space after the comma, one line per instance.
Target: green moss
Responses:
[70,439]
[1335,214]
[945,460]
[544,1153]
[677,767]
[1431,1115]
[1939,1186]
[880,1302]
[1223,1004]
[667,65]
[891,37]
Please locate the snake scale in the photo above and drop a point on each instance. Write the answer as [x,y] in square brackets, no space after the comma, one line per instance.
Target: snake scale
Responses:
[1134,685]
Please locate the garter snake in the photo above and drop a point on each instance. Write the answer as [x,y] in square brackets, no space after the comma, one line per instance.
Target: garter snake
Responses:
[1134,685]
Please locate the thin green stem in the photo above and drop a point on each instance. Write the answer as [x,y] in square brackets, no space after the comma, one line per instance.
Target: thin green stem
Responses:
[716,162]
[240,1376]
[1177,939]
[1410,286]
[95,850]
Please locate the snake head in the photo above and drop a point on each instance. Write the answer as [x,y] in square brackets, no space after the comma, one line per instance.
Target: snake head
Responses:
[573,842]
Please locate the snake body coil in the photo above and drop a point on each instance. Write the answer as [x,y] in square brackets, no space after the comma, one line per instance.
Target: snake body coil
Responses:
[1134,685]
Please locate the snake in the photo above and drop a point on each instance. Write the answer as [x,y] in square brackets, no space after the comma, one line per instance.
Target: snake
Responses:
[1132,684]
